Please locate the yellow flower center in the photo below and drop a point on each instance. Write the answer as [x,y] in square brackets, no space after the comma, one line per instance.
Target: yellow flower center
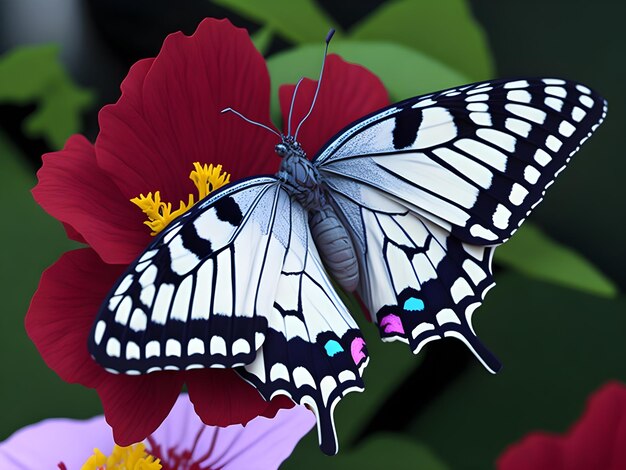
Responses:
[133,457]
[206,179]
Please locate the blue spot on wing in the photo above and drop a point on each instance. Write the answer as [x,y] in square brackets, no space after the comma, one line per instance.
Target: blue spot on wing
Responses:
[332,347]
[412,304]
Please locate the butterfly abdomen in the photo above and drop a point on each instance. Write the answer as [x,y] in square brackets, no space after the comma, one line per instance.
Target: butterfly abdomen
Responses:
[335,247]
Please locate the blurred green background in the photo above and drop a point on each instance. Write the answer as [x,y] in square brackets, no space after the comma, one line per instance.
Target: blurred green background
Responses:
[557,317]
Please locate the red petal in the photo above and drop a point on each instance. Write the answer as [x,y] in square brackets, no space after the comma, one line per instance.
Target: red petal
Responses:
[63,310]
[222,398]
[537,451]
[595,441]
[75,191]
[348,92]
[134,406]
[169,114]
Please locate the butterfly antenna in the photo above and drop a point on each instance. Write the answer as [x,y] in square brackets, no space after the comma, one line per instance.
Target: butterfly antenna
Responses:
[329,36]
[231,110]
[293,100]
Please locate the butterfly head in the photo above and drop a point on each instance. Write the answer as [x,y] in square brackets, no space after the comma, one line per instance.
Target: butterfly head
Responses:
[288,147]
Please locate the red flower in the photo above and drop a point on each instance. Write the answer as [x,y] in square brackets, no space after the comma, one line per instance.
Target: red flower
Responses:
[597,440]
[167,117]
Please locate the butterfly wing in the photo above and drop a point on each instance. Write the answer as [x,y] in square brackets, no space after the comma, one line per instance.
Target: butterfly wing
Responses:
[200,295]
[421,283]
[314,352]
[429,186]
[474,160]
[237,281]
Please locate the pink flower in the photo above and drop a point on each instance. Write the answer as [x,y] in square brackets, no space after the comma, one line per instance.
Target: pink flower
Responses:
[596,441]
[182,442]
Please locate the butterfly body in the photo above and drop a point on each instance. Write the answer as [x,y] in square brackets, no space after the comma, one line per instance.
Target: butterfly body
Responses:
[305,185]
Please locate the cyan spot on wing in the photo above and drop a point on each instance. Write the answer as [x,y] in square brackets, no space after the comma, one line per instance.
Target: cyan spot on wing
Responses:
[332,347]
[414,304]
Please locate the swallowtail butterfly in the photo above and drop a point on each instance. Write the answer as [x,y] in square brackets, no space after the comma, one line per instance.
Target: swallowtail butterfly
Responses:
[405,206]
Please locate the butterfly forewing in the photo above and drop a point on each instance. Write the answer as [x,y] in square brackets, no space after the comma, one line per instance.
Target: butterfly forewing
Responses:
[475,160]
[200,295]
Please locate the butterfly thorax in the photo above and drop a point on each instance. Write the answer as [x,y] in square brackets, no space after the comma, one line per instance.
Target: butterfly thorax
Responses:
[302,181]
[300,178]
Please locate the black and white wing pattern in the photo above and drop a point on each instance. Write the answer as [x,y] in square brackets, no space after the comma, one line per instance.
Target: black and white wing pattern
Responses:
[314,352]
[235,282]
[429,186]
[474,160]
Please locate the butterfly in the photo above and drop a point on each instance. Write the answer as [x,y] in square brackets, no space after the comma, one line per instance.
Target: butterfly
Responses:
[404,206]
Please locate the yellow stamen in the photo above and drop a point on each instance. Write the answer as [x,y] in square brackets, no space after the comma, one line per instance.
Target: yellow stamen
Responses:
[133,457]
[206,179]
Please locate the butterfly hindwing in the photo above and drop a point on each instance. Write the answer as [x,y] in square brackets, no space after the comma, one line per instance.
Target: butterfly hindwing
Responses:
[475,160]
[314,352]
[420,282]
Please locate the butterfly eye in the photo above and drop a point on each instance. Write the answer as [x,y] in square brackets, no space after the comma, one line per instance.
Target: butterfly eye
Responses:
[281,149]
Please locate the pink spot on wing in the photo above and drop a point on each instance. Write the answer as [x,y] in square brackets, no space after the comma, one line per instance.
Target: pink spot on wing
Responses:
[356,348]
[392,324]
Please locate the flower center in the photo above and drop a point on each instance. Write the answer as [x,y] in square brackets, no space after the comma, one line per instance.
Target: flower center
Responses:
[133,457]
[206,179]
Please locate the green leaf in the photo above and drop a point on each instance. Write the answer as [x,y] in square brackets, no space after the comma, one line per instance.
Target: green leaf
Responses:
[33,74]
[390,364]
[557,346]
[533,253]
[443,30]
[383,450]
[31,241]
[262,39]
[297,20]
[404,71]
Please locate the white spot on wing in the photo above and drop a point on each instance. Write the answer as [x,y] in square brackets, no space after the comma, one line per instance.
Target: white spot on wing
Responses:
[132,350]
[447,315]
[327,385]
[124,285]
[153,349]
[542,157]
[518,126]
[279,371]
[218,345]
[479,231]
[483,152]
[501,217]
[138,321]
[516,84]
[475,272]
[195,346]
[527,112]
[301,377]
[241,346]
[553,143]
[172,347]
[180,307]
[99,331]
[499,138]
[518,194]
[521,96]
[123,311]
[113,347]
[460,289]
[531,174]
